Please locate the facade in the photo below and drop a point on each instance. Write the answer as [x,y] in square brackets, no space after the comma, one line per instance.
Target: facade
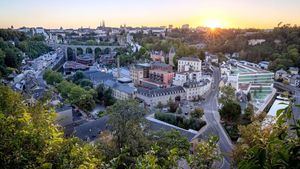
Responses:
[71,66]
[243,77]
[138,72]
[189,63]
[281,74]
[120,91]
[295,80]
[294,70]
[161,66]
[161,77]
[171,56]
[86,59]
[157,56]
[182,77]
[195,90]
[163,95]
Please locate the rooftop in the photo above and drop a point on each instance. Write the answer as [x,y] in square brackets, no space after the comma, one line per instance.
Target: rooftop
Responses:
[190,59]
[74,65]
[119,86]
[161,91]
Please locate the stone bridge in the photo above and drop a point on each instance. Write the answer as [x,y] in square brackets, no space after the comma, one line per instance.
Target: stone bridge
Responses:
[85,48]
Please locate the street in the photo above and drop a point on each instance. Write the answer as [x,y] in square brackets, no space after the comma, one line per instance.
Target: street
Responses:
[210,107]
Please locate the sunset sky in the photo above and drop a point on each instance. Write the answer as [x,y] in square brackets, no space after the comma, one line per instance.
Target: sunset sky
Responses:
[88,13]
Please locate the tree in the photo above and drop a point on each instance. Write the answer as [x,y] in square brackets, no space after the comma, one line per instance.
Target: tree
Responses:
[267,146]
[127,128]
[31,139]
[77,77]
[86,83]
[52,77]
[168,142]
[197,113]
[227,95]
[159,105]
[230,111]
[172,106]
[205,154]
[108,98]
[179,110]
[100,92]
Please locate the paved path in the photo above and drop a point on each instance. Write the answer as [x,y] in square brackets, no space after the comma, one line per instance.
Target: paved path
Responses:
[214,127]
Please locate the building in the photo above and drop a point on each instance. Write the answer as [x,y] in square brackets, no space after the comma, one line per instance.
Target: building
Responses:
[171,56]
[264,64]
[182,77]
[189,63]
[139,71]
[242,77]
[295,80]
[157,56]
[121,91]
[161,66]
[153,96]
[195,90]
[97,77]
[294,70]
[281,74]
[160,77]
[86,59]
[253,42]
[71,66]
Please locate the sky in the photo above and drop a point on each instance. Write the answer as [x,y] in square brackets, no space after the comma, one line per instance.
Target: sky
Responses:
[89,13]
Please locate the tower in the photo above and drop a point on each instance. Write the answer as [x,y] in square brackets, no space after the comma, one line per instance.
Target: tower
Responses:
[171,56]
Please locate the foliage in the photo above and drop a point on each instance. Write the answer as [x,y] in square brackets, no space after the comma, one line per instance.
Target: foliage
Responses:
[172,106]
[180,121]
[205,154]
[281,46]
[127,128]
[30,139]
[34,47]
[84,99]
[197,113]
[52,77]
[227,95]
[230,112]
[272,144]
[104,95]
[167,143]
[13,43]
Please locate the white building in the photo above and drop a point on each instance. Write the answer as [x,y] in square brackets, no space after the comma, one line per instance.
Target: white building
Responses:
[162,95]
[195,90]
[182,77]
[189,63]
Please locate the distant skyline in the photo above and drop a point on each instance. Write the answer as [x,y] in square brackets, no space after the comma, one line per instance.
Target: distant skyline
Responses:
[89,13]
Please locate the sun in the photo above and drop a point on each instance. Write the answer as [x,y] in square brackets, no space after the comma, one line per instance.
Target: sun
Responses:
[213,23]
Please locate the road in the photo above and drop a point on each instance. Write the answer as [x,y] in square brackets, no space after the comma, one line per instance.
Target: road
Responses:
[210,106]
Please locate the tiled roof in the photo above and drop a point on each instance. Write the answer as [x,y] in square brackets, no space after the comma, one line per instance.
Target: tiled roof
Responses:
[119,86]
[161,91]
[190,59]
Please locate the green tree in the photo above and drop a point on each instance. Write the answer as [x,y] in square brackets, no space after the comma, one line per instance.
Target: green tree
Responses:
[31,139]
[230,111]
[197,113]
[227,95]
[127,127]
[108,97]
[205,154]
[52,77]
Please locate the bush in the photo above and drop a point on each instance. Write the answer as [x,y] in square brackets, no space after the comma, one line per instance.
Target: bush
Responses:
[197,113]
[180,121]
